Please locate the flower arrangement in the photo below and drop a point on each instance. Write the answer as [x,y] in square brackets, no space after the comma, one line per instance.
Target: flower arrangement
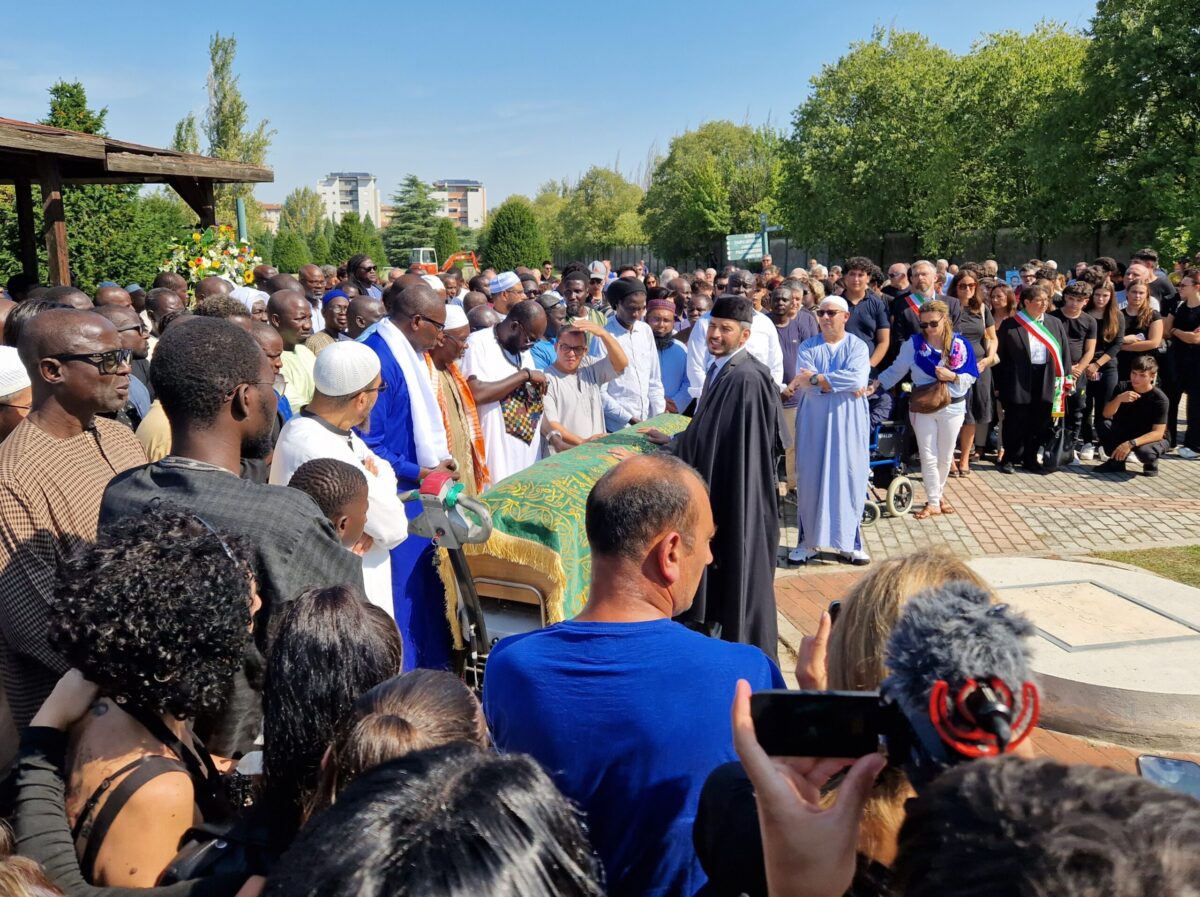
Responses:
[214,251]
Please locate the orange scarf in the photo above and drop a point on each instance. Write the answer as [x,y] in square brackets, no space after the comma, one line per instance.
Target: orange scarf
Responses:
[482,477]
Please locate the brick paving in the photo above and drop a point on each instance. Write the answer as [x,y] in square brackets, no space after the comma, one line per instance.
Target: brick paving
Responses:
[1071,511]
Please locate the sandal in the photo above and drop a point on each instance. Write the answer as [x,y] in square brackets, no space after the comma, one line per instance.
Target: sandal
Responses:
[926,512]
[946,507]
[964,471]
[954,472]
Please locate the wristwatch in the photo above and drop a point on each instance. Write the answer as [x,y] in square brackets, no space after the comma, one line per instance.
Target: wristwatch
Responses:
[1132,444]
[814,380]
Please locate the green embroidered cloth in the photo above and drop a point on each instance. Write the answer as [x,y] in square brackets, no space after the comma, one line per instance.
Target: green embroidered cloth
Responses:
[538,514]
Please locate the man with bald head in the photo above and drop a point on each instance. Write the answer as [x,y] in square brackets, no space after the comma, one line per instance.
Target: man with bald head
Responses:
[508,388]
[288,313]
[481,317]
[53,470]
[72,296]
[263,273]
[133,333]
[362,315]
[212,286]
[312,282]
[113,296]
[624,665]
[406,430]
[172,281]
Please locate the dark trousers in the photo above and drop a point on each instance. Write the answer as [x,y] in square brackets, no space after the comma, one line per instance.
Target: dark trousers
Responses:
[1191,438]
[1024,431]
[1112,435]
[1076,402]
[1099,394]
[1169,383]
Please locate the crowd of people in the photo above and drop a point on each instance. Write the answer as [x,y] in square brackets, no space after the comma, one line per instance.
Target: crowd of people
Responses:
[226,660]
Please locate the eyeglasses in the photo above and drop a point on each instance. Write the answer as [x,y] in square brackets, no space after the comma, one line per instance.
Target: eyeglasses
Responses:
[966,285]
[826,312]
[367,268]
[436,326]
[572,350]
[932,325]
[108,363]
[140,328]
[895,274]
[18,407]
[382,387]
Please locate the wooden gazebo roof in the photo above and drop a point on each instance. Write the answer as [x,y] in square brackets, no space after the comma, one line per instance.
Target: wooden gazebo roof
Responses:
[54,156]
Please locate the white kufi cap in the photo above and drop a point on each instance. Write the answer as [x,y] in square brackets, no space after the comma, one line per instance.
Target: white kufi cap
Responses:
[344,368]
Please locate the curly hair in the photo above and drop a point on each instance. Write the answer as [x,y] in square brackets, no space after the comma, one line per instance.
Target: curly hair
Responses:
[331,483]
[196,367]
[156,612]
[224,307]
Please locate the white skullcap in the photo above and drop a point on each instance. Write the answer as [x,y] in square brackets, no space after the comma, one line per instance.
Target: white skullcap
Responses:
[841,303]
[503,282]
[455,317]
[344,368]
[13,376]
[433,282]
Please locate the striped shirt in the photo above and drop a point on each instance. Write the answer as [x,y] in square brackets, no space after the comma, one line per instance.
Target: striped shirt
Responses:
[50,491]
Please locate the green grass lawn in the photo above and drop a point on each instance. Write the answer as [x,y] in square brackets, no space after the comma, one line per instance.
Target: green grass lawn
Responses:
[1179,564]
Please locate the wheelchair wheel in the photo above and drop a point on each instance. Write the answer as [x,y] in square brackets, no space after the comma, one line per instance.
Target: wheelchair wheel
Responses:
[871,512]
[899,496]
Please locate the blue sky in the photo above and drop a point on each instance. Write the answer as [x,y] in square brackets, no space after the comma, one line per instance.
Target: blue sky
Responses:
[509,93]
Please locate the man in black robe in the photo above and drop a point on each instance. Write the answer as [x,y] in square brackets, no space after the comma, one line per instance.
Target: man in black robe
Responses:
[734,442]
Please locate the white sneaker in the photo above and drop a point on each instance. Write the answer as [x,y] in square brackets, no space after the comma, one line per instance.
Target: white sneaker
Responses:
[1101,454]
[1075,459]
[1189,454]
[799,555]
[1087,452]
[857,557]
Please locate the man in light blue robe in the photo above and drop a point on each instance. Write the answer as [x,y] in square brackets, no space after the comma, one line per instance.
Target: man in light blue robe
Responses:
[833,436]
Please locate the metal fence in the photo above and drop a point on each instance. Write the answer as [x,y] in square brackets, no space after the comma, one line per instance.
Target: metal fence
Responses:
[1008,246]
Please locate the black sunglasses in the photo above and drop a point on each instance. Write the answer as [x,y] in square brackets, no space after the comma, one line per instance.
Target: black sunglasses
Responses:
[106,362]
[438,327]
[930,325]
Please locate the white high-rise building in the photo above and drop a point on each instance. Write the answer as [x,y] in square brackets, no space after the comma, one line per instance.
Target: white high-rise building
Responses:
[350,191]
[464,201]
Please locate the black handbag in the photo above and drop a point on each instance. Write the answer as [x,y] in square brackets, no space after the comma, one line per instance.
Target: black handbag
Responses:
[1056,451]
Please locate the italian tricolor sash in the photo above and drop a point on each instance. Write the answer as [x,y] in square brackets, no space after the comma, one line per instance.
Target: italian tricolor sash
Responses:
[914,302]
[1042,334]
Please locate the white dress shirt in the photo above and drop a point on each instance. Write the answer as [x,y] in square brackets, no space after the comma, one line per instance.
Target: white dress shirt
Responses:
[637,394]
[763,345]
[1038,353]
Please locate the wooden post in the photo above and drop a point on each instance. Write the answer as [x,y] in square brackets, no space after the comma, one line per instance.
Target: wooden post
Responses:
[55,221]
[26,238]
[208,204]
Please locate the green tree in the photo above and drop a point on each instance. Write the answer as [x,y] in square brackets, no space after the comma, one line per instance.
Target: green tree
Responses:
[263,243]
[1007,163]
[714,181]
[186,138]
[226,129]
[1142,101]
[372,242]
[320,249]
[445,240]
[512,237]
[857,162]
[600,211]
[413,223]
[291,252]
[548,204]
[303,212]
[468,239]
[353,236]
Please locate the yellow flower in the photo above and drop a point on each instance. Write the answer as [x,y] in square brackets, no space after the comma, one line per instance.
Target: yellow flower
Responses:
[196,237]
[248,277]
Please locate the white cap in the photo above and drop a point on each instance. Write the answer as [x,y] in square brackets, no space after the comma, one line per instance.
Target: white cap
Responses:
[455,317]
[344,368]
[433,282]
[842,304]
[13,376]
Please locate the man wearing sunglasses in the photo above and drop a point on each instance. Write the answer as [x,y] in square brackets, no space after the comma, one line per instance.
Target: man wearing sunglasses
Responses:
[53,470]
[133,333]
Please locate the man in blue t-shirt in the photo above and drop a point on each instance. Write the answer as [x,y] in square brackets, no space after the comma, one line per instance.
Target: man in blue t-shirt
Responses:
[627,710]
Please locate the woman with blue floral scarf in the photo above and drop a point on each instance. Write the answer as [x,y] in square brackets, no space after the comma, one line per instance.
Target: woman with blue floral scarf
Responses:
[935,355]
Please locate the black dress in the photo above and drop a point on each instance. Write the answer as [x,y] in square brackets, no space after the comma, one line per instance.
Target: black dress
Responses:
[979,401]
[1125,359]
[1184,357]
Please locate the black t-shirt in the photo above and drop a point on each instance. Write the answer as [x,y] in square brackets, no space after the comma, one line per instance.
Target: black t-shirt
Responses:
[1079,331]
[1134,419]
[868,316]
